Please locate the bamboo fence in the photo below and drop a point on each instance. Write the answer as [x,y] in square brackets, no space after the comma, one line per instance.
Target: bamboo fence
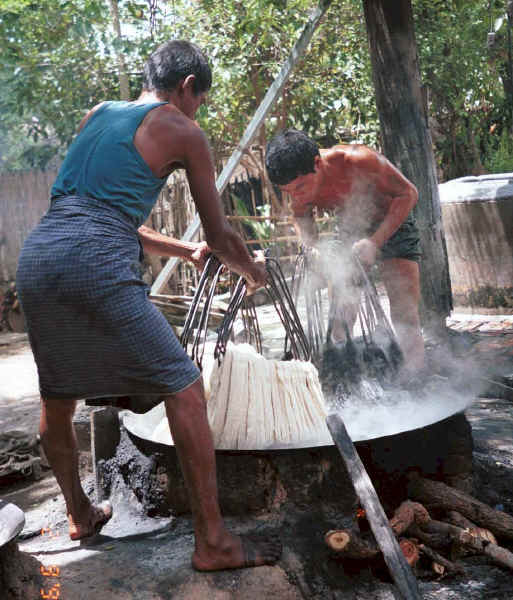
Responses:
[266,222]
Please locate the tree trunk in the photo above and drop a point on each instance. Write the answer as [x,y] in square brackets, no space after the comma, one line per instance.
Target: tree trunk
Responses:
[124,86]
[407,142]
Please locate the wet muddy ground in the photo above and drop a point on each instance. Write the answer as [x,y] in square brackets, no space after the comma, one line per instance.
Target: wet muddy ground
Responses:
[137,557]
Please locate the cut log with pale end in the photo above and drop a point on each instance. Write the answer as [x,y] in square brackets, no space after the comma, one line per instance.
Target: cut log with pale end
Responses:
[410,550]
[352,545]
[403,517]
[480,533]
[499,555]
[439,495]
[468,541]
[438,559]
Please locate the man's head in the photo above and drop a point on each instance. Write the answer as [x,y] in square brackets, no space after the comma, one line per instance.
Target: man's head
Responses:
[174,62]
[289,155]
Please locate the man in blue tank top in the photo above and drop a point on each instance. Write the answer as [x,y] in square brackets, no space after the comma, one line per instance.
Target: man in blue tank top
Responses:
[105,189]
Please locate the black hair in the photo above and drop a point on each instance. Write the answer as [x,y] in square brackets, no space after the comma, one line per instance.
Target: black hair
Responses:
[288,155]
[173,61]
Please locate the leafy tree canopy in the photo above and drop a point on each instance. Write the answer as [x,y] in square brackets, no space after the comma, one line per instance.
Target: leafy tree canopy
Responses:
[60,57]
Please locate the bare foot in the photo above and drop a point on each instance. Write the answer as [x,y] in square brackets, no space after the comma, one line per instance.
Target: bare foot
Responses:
[239,553]
[92,522]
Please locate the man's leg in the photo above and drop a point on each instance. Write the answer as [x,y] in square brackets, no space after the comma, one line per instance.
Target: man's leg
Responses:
[402,282]
[347,299]
[216,548]
[60,446]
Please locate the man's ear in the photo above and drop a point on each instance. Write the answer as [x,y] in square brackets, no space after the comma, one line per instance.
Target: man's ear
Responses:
[188,83]
[317,162]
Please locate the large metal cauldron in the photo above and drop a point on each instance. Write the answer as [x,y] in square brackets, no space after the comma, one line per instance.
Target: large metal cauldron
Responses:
[434,439]
[477,215]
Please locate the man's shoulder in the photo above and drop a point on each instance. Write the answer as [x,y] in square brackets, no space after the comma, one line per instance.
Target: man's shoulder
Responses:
[171,124]
[358,156]
[351,152]
[168,116]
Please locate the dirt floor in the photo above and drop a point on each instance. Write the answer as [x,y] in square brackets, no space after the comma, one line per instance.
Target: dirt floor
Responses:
[137,557]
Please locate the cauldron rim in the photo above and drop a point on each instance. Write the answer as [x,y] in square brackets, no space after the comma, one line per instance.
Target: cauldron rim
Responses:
[153,447]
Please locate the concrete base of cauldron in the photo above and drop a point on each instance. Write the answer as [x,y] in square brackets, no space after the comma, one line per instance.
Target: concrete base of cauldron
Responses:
[252,483]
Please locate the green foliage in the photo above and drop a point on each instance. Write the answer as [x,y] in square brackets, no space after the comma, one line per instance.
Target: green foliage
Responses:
[59,59]
[464,87]
[499,157]
[260,230]
[329,93]
[57,62]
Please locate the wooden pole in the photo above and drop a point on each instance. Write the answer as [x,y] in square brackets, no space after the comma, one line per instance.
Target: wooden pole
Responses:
[399,569]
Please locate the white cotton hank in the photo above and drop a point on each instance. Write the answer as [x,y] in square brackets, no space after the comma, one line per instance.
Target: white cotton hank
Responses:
[256,403]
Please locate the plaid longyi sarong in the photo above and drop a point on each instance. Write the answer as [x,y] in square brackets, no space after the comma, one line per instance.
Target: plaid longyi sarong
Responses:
[93,331]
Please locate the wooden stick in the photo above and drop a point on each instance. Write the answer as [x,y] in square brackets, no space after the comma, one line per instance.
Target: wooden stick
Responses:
[456,518]
[468,540]
[440,495]
[433,540]
[399,569]
[438,558]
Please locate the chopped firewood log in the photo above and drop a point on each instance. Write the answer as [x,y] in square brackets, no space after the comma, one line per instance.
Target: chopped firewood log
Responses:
[410,550]
[499,555]
[408,513]
[451,531]
[351,544]
[438,495]
[433,540]
[465,539]
[438,559]
[483,534]
[456,518]
[480,533]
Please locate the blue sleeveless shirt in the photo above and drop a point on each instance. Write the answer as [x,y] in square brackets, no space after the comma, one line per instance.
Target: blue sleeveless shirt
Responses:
[103,163]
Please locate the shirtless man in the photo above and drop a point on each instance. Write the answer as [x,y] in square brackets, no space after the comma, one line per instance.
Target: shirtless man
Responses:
[81,262]
[373,201]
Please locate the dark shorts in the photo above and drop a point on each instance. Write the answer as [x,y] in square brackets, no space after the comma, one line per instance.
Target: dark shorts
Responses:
[93,331]
[405,243]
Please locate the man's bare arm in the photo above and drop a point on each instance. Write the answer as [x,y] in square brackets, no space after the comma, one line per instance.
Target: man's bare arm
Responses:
[163,245]
[227,245]
[399,193]
[402,196]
